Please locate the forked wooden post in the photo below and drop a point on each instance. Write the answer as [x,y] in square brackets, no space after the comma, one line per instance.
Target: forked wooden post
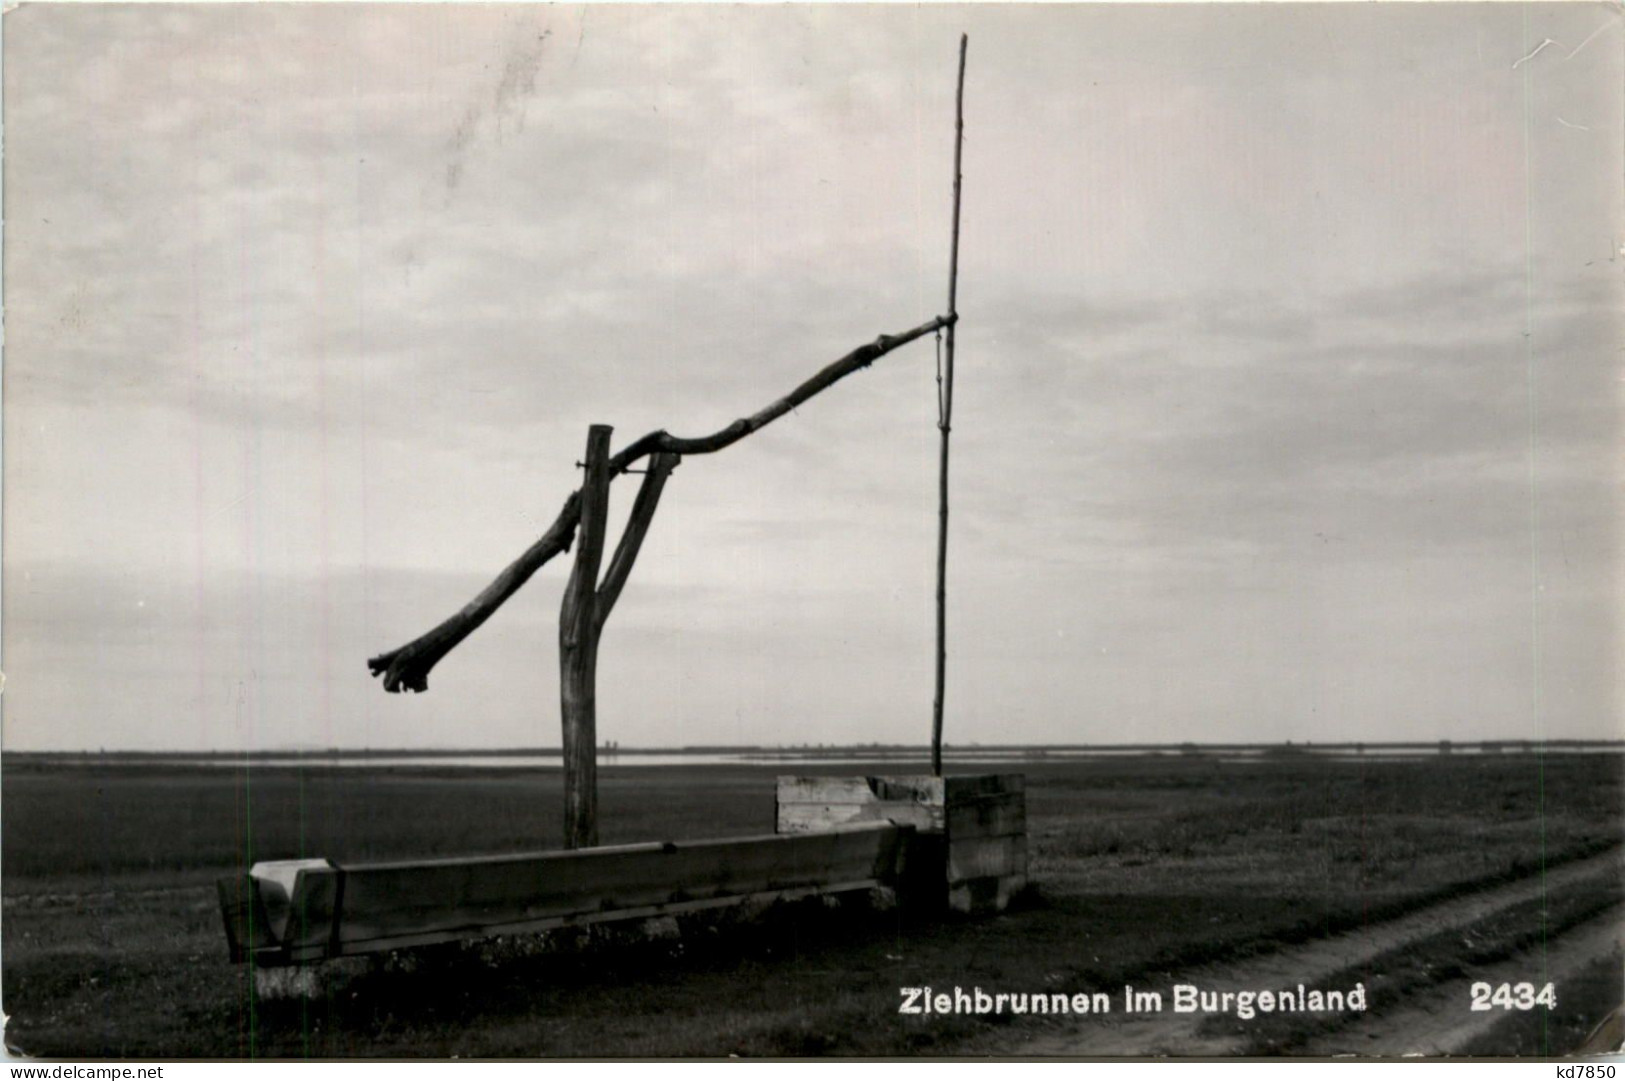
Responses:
[578,650]
[582,616]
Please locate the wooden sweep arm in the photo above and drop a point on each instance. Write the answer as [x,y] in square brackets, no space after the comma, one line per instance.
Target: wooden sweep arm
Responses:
[408,667]
[861,357]
[637,527]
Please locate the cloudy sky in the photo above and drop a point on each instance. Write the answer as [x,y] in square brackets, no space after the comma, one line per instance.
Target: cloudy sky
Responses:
[1287,408]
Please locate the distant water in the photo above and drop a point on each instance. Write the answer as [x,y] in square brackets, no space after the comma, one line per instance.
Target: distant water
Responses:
[910,760]
[605,760]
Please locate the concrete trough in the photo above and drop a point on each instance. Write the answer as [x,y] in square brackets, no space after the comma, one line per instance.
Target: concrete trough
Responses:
[969,851]
[298,912]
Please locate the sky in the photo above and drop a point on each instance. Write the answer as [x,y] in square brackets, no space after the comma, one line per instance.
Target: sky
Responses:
[1287,402]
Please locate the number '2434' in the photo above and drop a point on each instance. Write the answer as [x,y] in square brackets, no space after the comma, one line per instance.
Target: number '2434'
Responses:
[1513,996]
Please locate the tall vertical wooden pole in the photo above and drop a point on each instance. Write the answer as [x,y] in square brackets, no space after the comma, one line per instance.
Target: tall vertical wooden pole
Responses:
[579,627]
[945,409]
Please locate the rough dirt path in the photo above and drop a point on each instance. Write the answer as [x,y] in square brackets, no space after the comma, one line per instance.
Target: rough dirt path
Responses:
[1434,1022]
[1437,1021]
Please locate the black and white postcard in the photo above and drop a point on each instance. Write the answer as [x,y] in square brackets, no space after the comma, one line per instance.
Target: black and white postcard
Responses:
[813,531]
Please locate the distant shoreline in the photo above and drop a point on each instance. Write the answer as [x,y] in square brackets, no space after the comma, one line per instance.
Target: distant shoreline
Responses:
[871,752]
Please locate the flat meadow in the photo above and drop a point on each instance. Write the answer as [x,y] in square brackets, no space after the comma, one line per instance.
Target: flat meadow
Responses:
[1142,866]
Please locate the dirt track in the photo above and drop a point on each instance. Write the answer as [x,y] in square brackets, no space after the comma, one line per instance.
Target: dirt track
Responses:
[1434,1021]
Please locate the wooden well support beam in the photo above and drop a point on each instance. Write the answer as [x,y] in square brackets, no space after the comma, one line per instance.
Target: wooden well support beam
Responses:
[582,614]
[578,650]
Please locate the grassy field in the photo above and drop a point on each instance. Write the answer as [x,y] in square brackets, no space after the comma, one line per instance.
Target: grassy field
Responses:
[113,944]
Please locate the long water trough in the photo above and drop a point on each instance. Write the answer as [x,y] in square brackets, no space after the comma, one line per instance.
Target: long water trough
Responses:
[306,911]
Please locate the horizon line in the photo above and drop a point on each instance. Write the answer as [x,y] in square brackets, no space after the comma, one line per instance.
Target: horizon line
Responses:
[801,750]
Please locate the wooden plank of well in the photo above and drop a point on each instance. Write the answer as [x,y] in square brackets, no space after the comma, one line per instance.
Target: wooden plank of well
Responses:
[376,916]
[974,806]
[917,787]
[817,817]
[979,822]
[429,938]
[912,789]
[813,804]
[986,857]
[402,900]
[409,900]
